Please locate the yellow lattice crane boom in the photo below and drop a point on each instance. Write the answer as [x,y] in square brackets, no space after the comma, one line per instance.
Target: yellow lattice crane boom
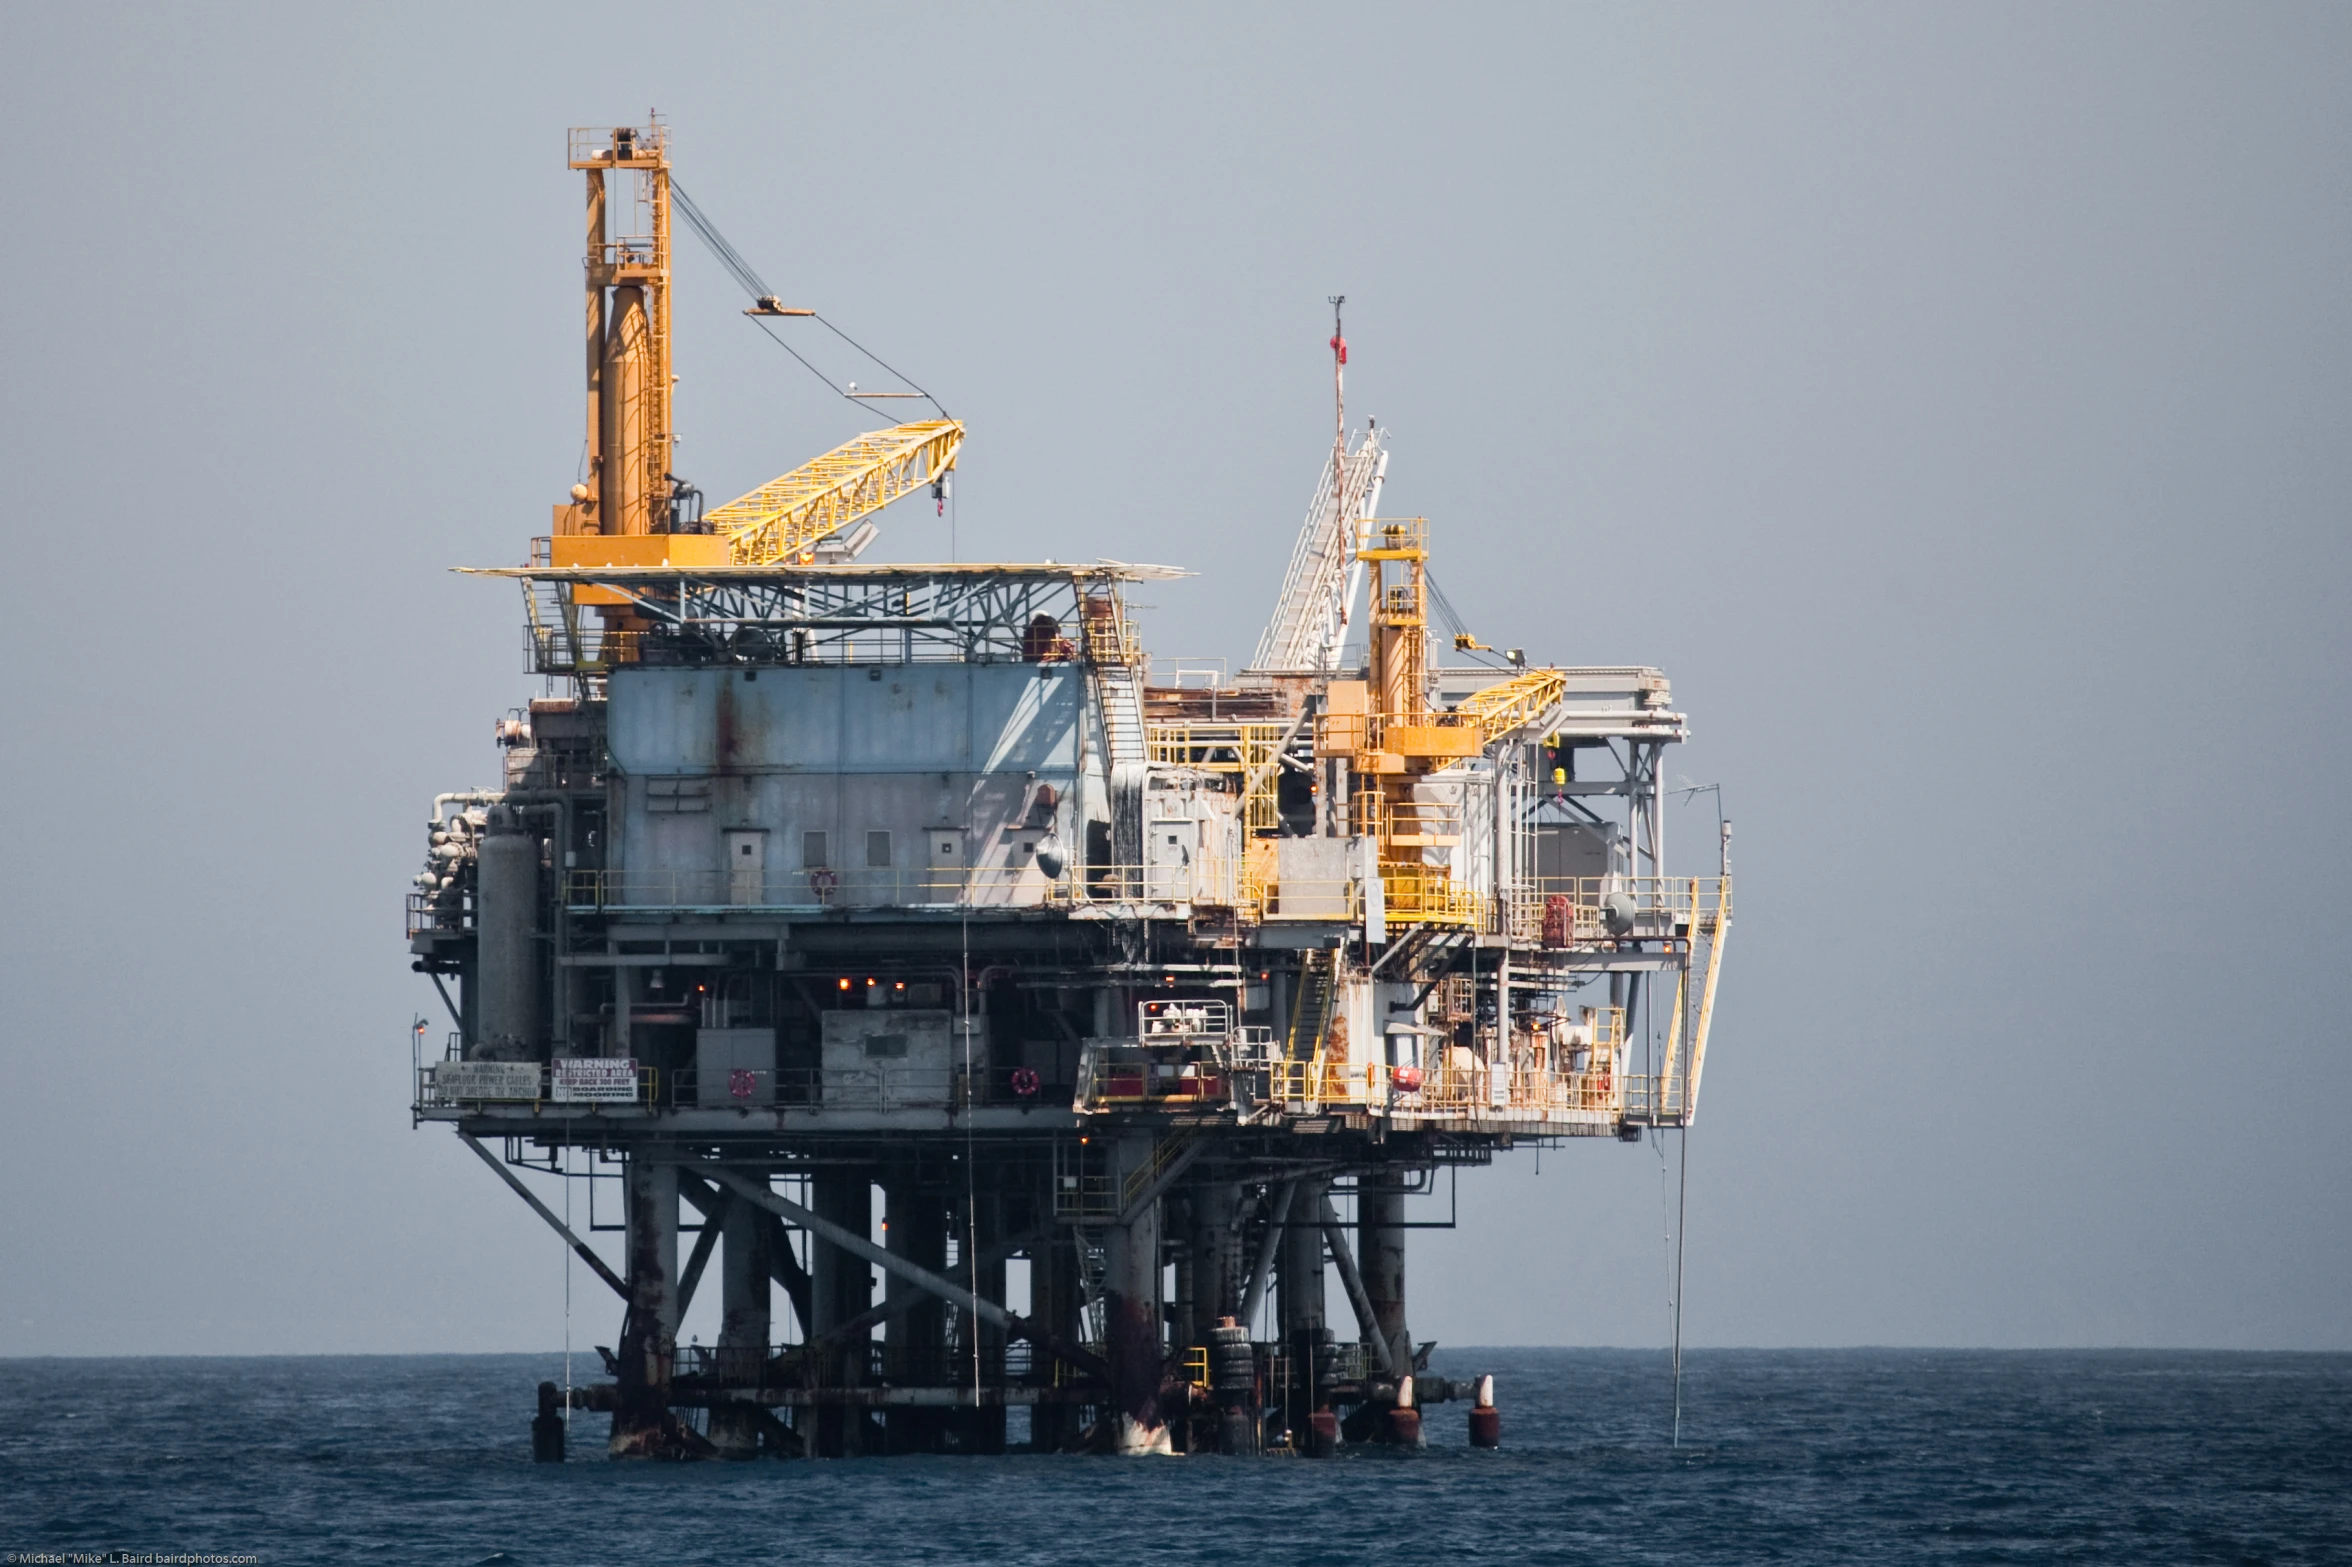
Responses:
[1511,705]
[629,509]
[782,520]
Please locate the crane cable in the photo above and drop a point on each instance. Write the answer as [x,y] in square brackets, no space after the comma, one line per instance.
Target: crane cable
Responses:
[728,256]
[747,277]
[1453,618]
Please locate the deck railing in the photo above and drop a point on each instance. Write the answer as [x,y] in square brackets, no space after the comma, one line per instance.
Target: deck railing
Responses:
[1213,882]
[875,1088]
[1577,911]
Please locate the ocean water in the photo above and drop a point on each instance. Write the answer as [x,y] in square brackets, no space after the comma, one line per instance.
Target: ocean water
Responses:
[1878,1456]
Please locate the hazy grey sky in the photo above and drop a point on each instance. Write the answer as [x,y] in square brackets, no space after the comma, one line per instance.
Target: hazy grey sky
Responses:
[1953,401]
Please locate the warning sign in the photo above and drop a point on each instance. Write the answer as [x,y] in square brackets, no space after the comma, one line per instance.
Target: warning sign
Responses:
[592,1080]
[453,1080]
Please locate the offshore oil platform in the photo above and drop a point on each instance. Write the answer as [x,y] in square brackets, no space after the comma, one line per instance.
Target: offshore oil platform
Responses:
[850,921]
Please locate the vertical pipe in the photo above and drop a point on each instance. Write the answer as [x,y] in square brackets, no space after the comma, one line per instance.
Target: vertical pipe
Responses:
[1505,867]
[625,982]
[469,1002]
[1501,1062]
[594,273]
[661,388]
[1636,994]
[1658,811]
[625,502]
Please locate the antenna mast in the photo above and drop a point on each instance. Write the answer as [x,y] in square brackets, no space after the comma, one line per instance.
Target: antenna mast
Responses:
[1338,395]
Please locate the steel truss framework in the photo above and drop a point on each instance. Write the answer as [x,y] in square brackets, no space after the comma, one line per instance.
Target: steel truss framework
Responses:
[974,614]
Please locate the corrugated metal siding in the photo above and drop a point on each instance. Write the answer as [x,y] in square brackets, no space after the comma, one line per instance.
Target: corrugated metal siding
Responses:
[839,751]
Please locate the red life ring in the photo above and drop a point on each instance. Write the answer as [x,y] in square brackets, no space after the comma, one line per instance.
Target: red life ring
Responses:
[1025,1081]
[823,881]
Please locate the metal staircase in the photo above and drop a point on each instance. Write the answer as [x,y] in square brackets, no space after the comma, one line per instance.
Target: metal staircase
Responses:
[1122,714]
[1113,654]
[1308,624]
[1310,1016]
[1171,1157]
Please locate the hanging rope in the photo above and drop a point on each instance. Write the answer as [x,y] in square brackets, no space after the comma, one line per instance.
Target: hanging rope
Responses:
[567,1251]
[1681,1224]
[971,1156]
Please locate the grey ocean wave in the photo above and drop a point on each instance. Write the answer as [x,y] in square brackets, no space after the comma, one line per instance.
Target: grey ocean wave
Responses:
[1789,1456]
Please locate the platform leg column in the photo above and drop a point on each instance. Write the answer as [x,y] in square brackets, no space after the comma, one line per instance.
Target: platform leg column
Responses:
[1053,1281]
[1131,1316]
[842,1288]
[1214,1247]
[913,1341]
[1216,1254]
[743,1327]
[1299,1295]
[986,1429]
[547,1427]
[643,1426]
[1215,1242]
[1380,1257]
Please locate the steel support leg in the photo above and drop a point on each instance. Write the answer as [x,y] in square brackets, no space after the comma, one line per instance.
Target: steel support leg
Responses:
[912,1342]
[1380,1256]
[985,1431]
[844,1290]
[743,1326]
[643,1426]
[1299,1293]
[1056,1302]
[1131,1316]
[1216,1256]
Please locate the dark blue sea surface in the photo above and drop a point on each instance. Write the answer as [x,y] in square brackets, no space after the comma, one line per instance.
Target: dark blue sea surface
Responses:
[1832,1456]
